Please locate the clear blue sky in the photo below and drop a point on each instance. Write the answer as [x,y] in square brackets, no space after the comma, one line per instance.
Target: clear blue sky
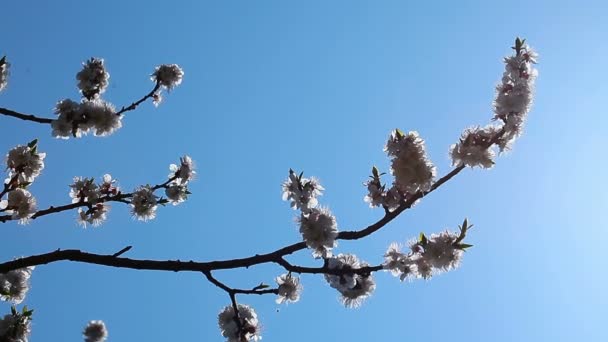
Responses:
[317,86]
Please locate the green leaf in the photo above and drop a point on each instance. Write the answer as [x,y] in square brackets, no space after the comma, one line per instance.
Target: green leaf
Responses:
[463,246]
[14,310]
[422,239]
[375,172]
[32,143]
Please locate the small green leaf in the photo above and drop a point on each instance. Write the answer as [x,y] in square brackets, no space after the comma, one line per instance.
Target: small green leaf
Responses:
[32,143]
[422,239]
[463,246]
[14,310]
[375,172]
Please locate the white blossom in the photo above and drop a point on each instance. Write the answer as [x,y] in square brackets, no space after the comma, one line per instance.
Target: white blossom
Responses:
[144,203]
[375,190]
[77,119]
[102,116]
[93,78]
[302,192]
[427,256]
[21,204]
[15,328]
[108,186]
[95,331]
[289,288]
[184,172]
[354,288]
[515,93]
[474,147]
[15,284]
[84,190]
[392,199]
[319,230]
[4,66]
[248,321]
[25,161]
[168,75]
[176,193]
[94,216]
[412,169]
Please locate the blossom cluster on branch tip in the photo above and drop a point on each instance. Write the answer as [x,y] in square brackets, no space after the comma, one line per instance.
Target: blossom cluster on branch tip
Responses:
[301,192]
[177,189]
[167,76]
[16,326]
[289,288]
[3,73]
[354,288]
[317,225]
[25,162]
[77,119]
[15,284]
[93,114]
[85,190]
[427,256]
[512,103]
[412,170]
[93,79]
[247,321]
[95,331]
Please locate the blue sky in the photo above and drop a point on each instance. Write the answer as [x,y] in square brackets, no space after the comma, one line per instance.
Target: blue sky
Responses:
[317,86]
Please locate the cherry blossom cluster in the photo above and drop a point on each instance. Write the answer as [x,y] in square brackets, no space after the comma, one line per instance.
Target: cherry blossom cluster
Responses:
[317,224]
[289,288]
[354,288]
[24,163]
[95,331]
[14,285]
[242,327]
[410,166]
[3,73]
[92,113]
[16,326]
[85,190]
[512,103]
[427,256]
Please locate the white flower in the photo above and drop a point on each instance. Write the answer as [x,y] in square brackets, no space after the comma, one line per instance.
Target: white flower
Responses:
[26,162]
[101,116]
[84,190]
[375,192]
[93,78]
[354,288]
[412,170]
[143,203]
[440,252]
[15,284]
[3,73]
[168,75]
[302,192]
[428,256]
[21,204]
[67,122]
[184,172]
[248,321]
[108,185]
[95,331]
[77,119]
[15,328]
[94,216]
[392,199]
[289,288]
[515,93]
[474,147]
[176,193]
[319,230]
